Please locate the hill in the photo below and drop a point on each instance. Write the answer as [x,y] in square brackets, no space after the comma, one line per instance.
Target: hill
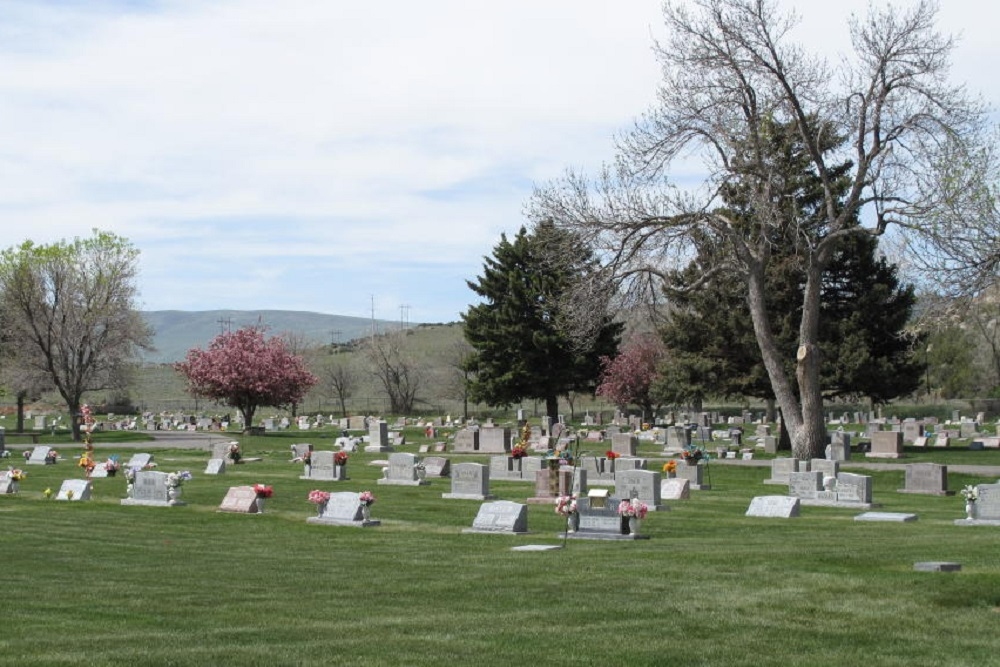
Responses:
[177,331]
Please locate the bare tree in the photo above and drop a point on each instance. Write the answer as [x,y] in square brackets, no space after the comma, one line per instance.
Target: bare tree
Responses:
[399,375]
[731,75]
[71,304]
[299,345]
[339,381]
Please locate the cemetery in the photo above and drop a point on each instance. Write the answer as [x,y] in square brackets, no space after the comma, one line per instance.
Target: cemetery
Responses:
[444,528]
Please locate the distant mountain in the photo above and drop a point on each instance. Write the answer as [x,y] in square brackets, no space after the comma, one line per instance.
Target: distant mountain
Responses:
[177,331]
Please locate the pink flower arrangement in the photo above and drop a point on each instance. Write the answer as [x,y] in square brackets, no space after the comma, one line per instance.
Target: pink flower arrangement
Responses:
[366,498]
[340,458]
[263,491]
[319,497]
[633,508]
[566,505]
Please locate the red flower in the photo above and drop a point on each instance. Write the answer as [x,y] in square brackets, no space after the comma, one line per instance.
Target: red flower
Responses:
[611,455]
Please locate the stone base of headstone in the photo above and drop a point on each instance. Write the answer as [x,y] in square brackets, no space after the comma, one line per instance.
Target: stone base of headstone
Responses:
[820,502]
[588,535]
[926,493]
[892,517]
[466,496]
[371,523]
[977,522]
[403,482]
[152,503]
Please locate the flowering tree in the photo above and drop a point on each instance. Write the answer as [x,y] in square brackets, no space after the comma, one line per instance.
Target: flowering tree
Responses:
[247,371]
[629,376]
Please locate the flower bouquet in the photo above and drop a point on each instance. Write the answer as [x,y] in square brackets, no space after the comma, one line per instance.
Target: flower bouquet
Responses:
[519,451]
[366,498]
[970,493]
[234,452]
[318,497]
[263,491]
[566,505]
[670,467]
[611,455]
[692,454]
[112,466]
[51,457]
[339,458]
[175,479]
[633,508]
[15,474]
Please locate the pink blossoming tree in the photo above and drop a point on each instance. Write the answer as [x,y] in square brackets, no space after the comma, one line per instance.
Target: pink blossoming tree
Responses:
[629,376]
[246,371]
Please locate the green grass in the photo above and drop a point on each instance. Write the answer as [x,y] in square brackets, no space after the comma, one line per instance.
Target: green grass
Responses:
[98,583]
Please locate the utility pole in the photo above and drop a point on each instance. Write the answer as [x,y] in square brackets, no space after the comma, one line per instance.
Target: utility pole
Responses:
[225,325]
[404,309]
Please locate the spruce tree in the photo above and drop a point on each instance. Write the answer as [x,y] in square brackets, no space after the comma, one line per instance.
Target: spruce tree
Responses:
[520,350]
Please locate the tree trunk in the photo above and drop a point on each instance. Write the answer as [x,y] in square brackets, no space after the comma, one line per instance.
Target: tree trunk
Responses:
[20,412]
[811,439]
[552,408]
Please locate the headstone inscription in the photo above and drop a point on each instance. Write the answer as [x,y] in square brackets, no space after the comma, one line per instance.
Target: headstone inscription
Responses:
[641,484]
[150,488]
[437,466]
[675,489]
[500,517]
[599,520]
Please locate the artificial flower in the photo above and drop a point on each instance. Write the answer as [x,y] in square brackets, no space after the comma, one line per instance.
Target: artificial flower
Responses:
[263,491]
[319,497]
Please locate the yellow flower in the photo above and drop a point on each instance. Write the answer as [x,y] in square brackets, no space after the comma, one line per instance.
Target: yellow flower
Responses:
[48,493]
[670,466]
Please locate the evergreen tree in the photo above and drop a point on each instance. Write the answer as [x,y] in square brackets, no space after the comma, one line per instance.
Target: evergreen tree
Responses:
[863,308]
[520,349]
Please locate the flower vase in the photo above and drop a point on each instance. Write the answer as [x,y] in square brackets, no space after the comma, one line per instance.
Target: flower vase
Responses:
[130,490]
[573,522]
[339,472]
[260,504]
[633,525]
[112,472]
[421,474]
[15,486]
[320,509]
[173,493]
[366,513]
[970,511]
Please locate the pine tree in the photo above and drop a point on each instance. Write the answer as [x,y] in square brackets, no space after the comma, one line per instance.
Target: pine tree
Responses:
[520,350]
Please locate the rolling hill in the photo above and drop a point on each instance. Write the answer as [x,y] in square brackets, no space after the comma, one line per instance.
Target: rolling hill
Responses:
[177,331]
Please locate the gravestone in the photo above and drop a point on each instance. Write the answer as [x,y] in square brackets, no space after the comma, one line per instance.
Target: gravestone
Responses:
[378,437]
[694,474]
[38,454]
[912,430]
[987,507]
[781,468]
[215,467]
[343,509]
[550,483]
[139,461]
[437,466]
[968,429]
[241,499]
[886,445]
[601,521]
[321,467]
[926,478]
[942,440]
[469,481]
[299,450]
[641,484]
[625,444]
[506,467]
[494,440]
[467,441]
[402,471]
[74,490]
[778,507]
[500,517]
[150,488]
[827,467]
[674,488]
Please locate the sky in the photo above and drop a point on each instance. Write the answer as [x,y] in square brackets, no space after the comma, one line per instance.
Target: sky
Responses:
[351,158]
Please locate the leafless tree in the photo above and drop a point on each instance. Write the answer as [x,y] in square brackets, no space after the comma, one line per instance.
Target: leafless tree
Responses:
[731,75]
[396,371]
[339,381]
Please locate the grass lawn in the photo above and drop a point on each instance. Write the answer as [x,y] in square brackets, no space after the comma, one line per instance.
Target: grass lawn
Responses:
[97,583]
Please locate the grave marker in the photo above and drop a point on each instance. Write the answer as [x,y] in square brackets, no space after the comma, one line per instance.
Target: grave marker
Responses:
[499,517]
[241,499]
[778,507]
